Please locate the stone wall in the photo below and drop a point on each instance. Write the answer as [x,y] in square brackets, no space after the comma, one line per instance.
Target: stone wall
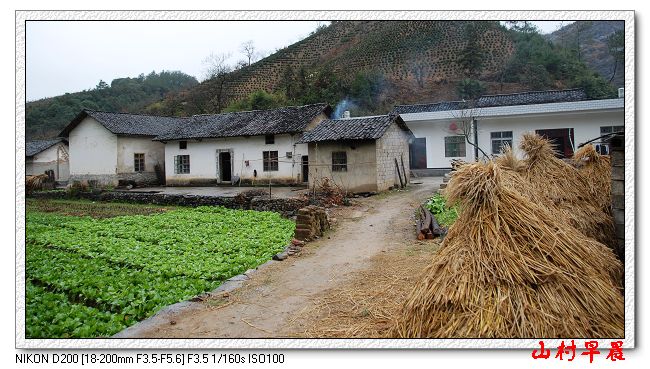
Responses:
[617,152]
[392,145]
[311,222]
[287,207]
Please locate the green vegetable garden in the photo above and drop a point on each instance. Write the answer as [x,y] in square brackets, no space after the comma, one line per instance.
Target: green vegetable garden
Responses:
[90,277]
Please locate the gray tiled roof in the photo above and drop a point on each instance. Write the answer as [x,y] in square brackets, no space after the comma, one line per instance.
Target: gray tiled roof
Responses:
[532,97]
[127,124]
[420,108]
[522,98]
[36,146]
[362,128]
[292,119]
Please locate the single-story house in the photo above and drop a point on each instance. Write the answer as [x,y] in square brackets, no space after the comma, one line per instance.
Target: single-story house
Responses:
[250,146]
[42,156]
[364,154]
[109,148]
[567,117]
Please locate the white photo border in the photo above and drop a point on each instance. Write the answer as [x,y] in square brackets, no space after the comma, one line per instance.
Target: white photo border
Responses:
[318,343]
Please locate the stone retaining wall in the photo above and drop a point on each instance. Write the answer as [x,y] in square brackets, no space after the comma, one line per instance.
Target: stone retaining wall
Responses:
[287,207]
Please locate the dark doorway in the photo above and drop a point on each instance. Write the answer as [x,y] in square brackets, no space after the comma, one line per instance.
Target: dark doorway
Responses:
[224,166]
[305,168]
[418,153]
[561,138]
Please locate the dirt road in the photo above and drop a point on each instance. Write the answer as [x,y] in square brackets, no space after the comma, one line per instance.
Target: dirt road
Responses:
[271,302]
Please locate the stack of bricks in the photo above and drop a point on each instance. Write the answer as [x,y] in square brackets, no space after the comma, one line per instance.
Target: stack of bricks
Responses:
[311,223]
[617,146]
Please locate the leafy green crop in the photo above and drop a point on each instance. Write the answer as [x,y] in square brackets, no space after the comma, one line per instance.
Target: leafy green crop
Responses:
[445,215]
[131,266]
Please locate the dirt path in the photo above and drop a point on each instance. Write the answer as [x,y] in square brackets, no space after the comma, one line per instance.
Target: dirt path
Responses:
[271,302]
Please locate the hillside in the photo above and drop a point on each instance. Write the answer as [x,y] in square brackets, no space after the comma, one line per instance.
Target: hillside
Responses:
[592,36]
[369,66]
[363,66]
[46,117]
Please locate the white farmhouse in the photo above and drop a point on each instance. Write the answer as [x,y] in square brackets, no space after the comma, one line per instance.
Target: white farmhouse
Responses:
[567,117]
[109,148]
[257,146]
[47,156]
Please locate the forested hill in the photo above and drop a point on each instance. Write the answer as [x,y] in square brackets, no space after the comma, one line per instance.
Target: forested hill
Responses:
[369,66]
[600,44]
[46,117]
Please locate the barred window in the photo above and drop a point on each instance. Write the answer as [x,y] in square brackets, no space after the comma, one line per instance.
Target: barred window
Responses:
[270,161]
[181,164]
[269,139]
[339,161]
[500,140]
[182,145]
[455,146]
[138,162]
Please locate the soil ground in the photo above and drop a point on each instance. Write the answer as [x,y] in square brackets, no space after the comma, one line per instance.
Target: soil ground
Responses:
[349,283]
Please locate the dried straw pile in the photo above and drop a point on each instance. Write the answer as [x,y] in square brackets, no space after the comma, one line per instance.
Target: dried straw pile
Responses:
[510,268]
[565,190]
[597,172]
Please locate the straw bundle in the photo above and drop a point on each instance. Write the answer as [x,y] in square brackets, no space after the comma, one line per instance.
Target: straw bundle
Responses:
[510,268]
[565,190]
[597,172]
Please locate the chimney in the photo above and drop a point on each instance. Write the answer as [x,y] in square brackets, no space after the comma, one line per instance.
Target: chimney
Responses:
[346,115]
[621,93]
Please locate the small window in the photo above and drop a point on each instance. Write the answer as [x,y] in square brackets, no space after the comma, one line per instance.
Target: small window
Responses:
[270,161]
[500,140]
[138,162]
[181,164]
[289,155]
[182,145]
[339,161]
[269,139]
[455,146]
[611,129]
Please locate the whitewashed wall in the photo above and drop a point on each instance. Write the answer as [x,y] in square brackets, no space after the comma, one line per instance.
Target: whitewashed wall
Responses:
[203,159]
[47,160]
[93,149]
[435,133]
[154,153]
[586,126]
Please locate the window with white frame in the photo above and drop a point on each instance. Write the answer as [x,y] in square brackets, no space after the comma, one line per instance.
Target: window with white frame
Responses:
[455,146]
[500,140]
[181,164]
[603,146]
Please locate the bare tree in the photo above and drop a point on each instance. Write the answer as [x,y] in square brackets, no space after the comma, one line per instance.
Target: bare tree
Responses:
[248,48]
[217,69]
[419,69]
[215,65]
[467,115]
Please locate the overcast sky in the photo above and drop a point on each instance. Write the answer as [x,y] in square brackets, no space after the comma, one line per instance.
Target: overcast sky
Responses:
[70,56]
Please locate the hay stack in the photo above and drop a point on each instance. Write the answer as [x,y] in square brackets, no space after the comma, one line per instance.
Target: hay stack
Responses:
[510,268]
[597,173]
[565,190]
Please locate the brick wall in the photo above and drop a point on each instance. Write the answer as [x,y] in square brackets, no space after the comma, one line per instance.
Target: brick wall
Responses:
[392,145]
